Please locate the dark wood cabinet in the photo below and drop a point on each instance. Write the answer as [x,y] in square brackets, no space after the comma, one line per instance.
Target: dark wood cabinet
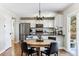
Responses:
[39,28]
[24,30]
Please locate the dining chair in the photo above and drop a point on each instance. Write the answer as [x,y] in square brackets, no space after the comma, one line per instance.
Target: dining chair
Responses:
[50,38]
[24,49]
[52,50]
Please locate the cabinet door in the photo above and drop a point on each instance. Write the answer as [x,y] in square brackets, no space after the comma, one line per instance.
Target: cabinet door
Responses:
[24,29]
[27,28]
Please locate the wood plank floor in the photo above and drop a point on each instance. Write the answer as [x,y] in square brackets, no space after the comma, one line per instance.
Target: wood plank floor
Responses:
[17,51]
[8,52]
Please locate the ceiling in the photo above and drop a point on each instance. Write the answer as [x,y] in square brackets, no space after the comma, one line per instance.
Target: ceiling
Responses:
[30,9]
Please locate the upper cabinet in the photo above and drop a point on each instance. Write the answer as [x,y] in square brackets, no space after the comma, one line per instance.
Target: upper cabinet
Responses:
[59,20]
[56,23]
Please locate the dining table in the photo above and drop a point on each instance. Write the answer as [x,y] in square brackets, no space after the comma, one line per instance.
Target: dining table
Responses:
[39,43]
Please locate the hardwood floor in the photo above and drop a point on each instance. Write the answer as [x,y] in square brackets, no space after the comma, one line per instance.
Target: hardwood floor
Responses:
[17,51]
[8,52]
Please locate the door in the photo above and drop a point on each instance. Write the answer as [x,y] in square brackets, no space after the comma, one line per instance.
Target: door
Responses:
[13,29]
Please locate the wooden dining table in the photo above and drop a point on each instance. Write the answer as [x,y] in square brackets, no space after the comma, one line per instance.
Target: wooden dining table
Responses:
[38,44]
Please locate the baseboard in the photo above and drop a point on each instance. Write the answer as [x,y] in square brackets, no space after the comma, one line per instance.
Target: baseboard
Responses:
[4,50]
[68,51]
[60,48]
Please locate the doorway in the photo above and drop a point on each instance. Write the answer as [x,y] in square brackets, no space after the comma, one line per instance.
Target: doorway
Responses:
[72,34]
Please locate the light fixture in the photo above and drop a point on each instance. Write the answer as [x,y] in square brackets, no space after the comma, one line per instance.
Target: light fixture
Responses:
[39,17]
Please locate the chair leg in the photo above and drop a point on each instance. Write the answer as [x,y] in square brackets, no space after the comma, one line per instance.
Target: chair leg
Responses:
[41,53]
[28,54]
[56,54]
[31,54]
[22,53]
[48,54]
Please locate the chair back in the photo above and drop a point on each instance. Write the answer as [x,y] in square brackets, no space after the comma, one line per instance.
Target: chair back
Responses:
[24,46]
[53,47]
[52,38]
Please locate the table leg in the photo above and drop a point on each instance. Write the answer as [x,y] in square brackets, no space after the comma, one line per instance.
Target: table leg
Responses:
[39,53]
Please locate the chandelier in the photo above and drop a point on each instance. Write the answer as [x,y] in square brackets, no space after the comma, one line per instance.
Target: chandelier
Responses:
[39,17]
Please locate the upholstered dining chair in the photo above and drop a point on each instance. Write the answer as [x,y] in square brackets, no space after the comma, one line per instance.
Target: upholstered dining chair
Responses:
[50,38]
[24,49]
[52,50]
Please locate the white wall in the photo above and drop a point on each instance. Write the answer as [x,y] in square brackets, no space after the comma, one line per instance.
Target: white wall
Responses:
[1,33]
[5,29]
